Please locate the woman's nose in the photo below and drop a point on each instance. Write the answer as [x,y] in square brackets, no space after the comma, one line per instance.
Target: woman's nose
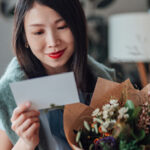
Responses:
[53,40]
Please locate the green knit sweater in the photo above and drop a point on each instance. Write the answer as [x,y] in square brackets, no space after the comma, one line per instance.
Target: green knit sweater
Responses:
[14,73]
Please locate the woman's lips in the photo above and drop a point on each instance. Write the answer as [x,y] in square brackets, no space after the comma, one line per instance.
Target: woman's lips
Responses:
[56,55]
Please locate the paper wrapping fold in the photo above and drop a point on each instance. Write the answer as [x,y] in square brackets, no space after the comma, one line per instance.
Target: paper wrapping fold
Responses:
[75,114]
[72,121]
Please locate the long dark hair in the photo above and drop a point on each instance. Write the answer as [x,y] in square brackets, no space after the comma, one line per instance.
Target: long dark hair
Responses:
[73,14]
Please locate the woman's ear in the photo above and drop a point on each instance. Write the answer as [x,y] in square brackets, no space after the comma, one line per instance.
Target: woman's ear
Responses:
[26,44]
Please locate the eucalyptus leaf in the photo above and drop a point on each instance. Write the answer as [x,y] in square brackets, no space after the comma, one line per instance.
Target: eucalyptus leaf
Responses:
[134,117]
[91,146]
[96,128]
[136,112]
[130,105]
[78,136]
[86,125]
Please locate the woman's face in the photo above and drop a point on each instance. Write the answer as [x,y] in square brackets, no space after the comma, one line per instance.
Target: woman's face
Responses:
[49,37]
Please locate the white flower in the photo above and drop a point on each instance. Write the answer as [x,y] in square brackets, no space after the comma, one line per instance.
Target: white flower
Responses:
[106,107]
[123,110]
[115,105]
[113,101]
[106,124]
[122,113]
[99,114]
[126,116]
[112,110]
[103,129]
[111,124]
[105,114]
[96,112]
[111,113]
[113,121]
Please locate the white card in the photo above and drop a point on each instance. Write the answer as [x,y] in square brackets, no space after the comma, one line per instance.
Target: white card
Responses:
[57,89]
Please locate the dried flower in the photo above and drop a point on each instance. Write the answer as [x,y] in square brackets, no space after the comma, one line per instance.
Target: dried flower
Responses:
[144,119]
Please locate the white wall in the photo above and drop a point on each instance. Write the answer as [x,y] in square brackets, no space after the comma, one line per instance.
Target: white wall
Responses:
[6,52]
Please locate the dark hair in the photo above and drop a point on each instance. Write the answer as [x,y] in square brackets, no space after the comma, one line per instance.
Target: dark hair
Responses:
[73,14]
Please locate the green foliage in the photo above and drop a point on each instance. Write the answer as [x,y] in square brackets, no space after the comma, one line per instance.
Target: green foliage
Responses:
[146,140]
[124,145]
[105,146]
[129,104]
[135,114]
[132,112]
[138,135]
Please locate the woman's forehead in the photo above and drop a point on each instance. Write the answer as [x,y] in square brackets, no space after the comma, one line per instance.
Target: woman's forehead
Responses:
[41,13]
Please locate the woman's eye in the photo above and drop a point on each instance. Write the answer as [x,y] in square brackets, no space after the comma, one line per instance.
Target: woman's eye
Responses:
[63,27]
[38,33]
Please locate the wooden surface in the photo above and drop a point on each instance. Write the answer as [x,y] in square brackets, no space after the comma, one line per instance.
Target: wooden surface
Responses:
[142,73]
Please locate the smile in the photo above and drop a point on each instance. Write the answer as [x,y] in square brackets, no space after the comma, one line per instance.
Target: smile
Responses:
[56,55]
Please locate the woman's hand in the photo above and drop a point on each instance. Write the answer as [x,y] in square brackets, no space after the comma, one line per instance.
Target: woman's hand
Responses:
[26,125]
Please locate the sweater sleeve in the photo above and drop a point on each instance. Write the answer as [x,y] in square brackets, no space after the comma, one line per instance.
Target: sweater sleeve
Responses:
[7,103]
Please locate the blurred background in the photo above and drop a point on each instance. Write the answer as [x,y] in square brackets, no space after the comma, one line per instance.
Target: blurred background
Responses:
[98,14]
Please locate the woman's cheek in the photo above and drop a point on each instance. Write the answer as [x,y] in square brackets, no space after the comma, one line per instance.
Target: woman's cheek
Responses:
[36,45]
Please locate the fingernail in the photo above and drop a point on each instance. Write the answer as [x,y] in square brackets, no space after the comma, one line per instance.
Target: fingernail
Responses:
[28,104]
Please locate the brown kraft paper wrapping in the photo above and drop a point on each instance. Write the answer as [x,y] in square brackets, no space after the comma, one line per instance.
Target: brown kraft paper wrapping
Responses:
[75,114]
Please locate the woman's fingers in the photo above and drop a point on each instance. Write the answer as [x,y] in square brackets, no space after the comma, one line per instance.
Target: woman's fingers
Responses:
[32,130]
[20,109]
[24,116]
[26,125]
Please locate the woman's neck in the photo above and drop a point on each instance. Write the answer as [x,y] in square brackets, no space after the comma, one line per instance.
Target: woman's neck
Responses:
[52,71]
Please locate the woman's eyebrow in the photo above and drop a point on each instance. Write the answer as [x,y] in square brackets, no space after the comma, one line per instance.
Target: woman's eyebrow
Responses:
[59,20]
[38,24]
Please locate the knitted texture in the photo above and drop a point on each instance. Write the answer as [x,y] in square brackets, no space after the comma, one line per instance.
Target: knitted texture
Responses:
[7,104]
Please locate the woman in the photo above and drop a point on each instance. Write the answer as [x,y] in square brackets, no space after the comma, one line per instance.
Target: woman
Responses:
[49,38]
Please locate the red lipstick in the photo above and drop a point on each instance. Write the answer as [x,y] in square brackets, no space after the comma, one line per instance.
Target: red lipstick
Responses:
[56,55]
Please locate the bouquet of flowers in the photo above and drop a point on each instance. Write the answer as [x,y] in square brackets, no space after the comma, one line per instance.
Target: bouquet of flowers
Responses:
[118,118]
